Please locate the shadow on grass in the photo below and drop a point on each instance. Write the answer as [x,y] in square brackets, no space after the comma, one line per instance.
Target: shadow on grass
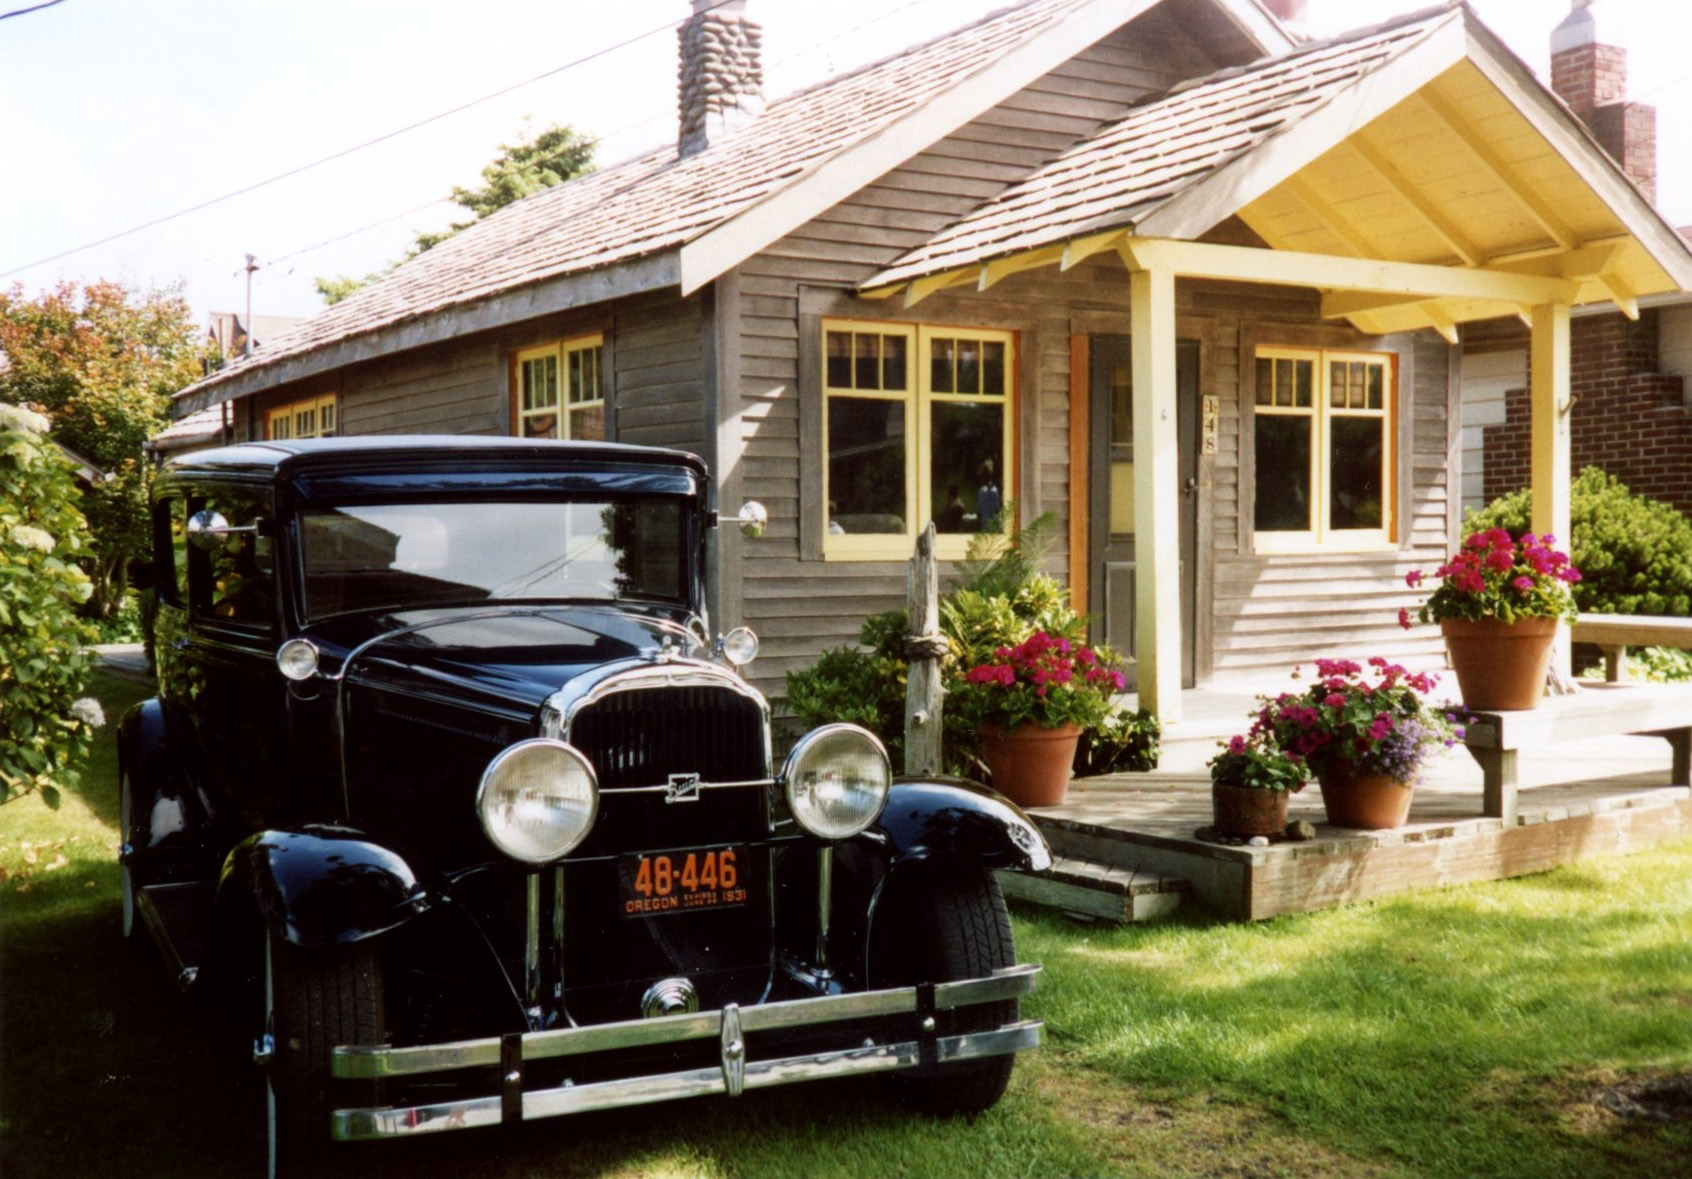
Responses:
[1417,1032]
[108,1071]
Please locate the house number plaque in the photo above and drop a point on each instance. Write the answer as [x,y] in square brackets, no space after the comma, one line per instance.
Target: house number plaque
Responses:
[1208,424]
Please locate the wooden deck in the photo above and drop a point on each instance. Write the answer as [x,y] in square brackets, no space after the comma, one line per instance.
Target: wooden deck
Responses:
[1576,799]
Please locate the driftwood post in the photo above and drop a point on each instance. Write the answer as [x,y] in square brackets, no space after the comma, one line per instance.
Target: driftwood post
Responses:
[924,646]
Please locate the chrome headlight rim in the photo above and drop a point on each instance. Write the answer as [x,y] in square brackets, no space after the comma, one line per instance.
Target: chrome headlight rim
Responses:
[486,816]
[297,659]
[738,648]
[806,748]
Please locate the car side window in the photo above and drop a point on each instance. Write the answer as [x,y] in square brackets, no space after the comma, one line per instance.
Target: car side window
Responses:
[232,580]
[170,543]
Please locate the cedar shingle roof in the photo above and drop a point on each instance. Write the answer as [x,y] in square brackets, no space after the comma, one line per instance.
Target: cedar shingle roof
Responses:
[657,202]
[1161,147]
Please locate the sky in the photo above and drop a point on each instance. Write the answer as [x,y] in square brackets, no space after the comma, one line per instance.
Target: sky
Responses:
[118,113]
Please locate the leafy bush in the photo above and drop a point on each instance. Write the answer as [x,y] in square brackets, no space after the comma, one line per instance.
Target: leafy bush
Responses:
[1004,599]
[1634,553]
[44,727]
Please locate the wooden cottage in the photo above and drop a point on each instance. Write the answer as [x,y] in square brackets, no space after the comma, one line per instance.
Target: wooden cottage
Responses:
[1150,265]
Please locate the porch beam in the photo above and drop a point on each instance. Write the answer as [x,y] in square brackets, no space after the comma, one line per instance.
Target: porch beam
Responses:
[1625,300]
[1548,397]
[1502,171]
[1324,211]
[999,268]
[921,288]
[1436,220]
[1157,493]
[1328,272]
[1440,322]
[1082,248]
[1346,304]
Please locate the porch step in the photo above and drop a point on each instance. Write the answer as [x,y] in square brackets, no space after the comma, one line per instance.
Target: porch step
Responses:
[1091,891]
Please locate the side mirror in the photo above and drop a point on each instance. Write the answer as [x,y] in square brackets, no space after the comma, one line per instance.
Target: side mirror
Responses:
[753,518]
[206,529]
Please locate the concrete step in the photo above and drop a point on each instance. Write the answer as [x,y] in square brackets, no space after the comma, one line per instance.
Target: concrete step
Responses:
[1091,891]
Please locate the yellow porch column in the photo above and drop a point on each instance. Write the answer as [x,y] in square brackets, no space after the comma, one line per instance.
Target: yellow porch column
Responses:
[1157,493]
[1549,399]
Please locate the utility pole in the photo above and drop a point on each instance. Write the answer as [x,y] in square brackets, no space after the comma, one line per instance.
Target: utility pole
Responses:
[247,340]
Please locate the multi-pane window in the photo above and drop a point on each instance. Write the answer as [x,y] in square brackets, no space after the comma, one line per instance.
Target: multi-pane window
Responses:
[561,390]
[1322,431]
[917,427]
[314,417]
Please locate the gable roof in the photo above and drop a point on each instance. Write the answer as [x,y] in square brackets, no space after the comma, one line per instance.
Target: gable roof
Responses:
[658,220]
[1161,147]
[1421,141]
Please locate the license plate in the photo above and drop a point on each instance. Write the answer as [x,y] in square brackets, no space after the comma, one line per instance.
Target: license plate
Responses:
[682,882]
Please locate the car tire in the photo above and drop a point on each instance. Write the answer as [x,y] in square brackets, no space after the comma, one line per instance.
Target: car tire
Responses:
[946,922]
[314,1000]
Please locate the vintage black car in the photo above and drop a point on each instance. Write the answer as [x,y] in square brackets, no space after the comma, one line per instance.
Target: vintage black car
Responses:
[450,794]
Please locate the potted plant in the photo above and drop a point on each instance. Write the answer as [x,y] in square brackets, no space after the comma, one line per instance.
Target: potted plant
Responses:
[1250,781]
[1365,734]
[1031,703]
[1498,603]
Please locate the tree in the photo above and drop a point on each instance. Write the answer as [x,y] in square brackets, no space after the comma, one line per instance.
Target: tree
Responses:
[101,362]
[557,154]
[44,660]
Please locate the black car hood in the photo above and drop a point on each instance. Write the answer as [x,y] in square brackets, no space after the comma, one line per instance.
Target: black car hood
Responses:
[507,660]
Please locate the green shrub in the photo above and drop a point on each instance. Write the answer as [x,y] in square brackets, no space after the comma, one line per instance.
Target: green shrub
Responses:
[1634,553]
[1002,600]
[44,727]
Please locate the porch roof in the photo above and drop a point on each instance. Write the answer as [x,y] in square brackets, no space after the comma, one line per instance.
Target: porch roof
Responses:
[1422,140]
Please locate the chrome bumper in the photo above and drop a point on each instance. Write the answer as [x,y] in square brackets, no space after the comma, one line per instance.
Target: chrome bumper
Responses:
[730,1027]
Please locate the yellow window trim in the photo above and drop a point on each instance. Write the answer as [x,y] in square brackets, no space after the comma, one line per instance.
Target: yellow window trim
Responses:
[284,421]
[589,350]
[917,397]
[1321,539]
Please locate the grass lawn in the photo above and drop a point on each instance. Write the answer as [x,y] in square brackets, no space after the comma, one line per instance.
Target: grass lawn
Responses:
[1470,1031]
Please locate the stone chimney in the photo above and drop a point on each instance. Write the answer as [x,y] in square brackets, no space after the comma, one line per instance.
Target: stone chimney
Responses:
[722,73]
[1591,76]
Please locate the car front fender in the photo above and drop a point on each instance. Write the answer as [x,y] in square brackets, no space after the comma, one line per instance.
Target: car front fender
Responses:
[322,885]
[929,817]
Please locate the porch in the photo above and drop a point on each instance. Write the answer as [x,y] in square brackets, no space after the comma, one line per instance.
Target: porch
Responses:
[1127,848]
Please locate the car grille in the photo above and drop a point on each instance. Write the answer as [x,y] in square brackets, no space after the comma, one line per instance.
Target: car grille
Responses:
[642,737]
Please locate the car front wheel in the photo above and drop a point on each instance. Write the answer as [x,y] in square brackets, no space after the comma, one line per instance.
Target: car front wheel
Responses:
[314,1000]
[942,923]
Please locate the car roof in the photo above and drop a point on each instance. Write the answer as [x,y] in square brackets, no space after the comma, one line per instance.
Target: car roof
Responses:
[279,457]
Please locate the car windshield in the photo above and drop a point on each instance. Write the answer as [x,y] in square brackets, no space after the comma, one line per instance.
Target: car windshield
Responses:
[408,555]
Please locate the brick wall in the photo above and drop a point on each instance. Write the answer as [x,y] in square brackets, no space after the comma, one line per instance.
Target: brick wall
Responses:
[1628,417]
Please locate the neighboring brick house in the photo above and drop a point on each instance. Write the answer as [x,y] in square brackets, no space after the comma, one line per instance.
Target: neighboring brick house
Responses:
[906,294]
[1632,413]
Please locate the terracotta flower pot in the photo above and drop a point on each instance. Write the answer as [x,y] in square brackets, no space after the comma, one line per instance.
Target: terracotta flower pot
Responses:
[1030,765]
[1368,802]
[1500,666]
[1243,811]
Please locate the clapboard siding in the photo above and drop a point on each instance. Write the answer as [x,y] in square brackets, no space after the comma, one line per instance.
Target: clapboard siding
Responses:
[658,373]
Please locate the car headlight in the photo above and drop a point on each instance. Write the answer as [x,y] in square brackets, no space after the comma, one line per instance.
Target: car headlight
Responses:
[836,780]
[538,800]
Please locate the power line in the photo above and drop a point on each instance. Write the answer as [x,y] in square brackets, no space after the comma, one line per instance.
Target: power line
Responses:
[656,115]
[342,154]
[30,9]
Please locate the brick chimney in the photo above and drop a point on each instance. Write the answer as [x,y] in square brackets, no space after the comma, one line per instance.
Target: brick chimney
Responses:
[721,81]
[1591,76]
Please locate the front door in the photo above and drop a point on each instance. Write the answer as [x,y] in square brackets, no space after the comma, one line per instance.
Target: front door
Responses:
[1111,487]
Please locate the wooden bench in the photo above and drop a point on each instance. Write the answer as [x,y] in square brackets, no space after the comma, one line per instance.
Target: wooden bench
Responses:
[1594,710]
[1615,633]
